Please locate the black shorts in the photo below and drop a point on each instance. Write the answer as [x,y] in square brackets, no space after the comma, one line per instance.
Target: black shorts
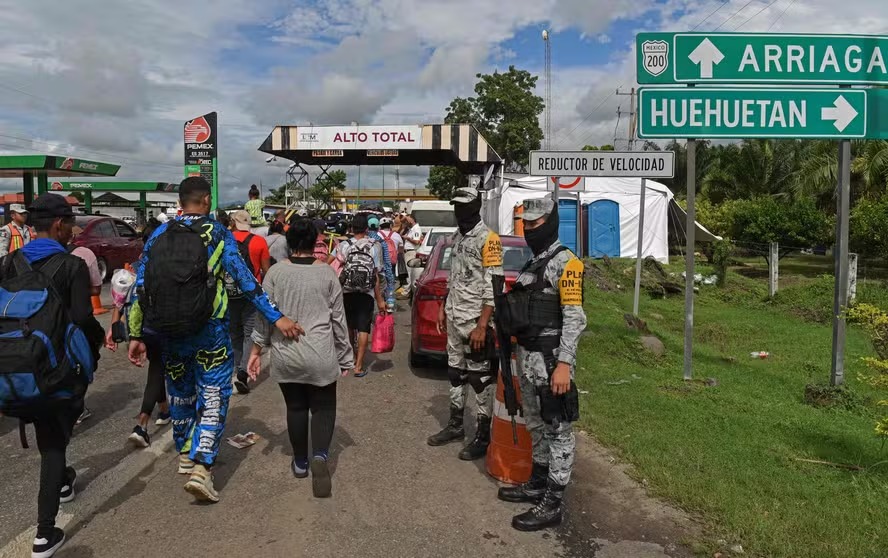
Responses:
[358,310]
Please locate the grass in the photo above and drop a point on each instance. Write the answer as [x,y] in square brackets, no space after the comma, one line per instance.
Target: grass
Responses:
[729,452]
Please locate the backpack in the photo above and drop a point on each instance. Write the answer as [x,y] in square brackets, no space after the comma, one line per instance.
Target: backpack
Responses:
[359,272]
[392,247]
[179,289]
[231,286]
[44,356]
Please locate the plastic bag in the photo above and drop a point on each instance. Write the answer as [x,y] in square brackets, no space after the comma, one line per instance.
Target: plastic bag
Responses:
[383,340]
[121,282]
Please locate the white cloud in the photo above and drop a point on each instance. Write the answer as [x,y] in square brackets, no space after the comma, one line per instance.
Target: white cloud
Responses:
[115,81]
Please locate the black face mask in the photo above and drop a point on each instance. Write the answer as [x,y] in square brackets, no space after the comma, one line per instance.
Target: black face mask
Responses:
[540,238]
[467,215]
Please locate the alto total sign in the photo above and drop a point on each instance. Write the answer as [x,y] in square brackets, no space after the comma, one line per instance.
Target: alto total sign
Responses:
[359,137]
[669,58]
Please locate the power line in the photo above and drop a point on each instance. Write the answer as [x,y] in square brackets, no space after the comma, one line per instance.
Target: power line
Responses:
[756,14]
[733,15]
[712,13]
[607,98]
[788,6]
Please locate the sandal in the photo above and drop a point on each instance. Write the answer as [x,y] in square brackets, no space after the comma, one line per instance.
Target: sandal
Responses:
[360,374]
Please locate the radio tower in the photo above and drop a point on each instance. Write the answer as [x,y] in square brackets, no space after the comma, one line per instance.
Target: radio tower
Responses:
[548,91]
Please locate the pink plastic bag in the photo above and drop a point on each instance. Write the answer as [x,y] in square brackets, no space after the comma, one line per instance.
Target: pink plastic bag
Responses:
[383,340]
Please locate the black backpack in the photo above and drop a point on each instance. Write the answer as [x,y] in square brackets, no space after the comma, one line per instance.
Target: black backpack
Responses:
[359,271]
[179,289]
[231,286]
[44,356]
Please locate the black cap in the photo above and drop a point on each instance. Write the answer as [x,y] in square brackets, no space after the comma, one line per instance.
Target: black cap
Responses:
[50,206]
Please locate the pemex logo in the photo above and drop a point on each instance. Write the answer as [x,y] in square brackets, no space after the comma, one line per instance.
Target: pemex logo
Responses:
[197,130]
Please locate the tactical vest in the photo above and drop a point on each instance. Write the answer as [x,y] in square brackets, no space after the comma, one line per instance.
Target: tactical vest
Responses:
[529,309]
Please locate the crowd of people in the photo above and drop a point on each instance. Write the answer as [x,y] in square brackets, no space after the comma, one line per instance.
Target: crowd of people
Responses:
[216,296]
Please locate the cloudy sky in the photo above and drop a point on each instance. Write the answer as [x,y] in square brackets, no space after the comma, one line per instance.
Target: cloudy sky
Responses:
[114,81]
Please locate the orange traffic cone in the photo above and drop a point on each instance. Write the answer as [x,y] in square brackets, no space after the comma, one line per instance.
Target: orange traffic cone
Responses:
[98,309]
[506,461]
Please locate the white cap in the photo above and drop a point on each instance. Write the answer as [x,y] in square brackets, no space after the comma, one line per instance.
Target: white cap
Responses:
[18,208]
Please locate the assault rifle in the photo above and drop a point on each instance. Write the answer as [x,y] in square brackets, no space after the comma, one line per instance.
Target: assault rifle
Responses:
[505,350]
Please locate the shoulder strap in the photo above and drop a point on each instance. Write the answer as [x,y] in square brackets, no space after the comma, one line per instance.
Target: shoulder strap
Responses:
[52,266]
[541,270]
[247,239]
[20,262]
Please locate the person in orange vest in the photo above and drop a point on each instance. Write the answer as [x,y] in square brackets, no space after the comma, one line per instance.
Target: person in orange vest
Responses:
[16,233]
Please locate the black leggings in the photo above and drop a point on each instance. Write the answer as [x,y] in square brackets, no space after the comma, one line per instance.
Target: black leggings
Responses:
[321,401]
[53,434]
[155,390]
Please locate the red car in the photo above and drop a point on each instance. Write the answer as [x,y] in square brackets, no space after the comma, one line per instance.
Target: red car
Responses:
[112,241]
[431,288]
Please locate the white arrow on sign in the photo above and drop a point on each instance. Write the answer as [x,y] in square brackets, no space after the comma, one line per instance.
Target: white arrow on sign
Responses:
[706,55]
[842,113]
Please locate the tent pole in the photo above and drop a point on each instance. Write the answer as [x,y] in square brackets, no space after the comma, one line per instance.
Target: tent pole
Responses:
[640,248]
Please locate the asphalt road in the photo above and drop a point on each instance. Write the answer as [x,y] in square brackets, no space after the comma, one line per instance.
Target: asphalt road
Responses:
[393,495]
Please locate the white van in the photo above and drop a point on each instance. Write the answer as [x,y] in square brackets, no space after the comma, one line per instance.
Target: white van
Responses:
[432,213]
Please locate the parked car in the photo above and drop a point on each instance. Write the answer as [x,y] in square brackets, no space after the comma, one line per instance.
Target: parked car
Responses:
[112,241]
[432,237]
[431,289]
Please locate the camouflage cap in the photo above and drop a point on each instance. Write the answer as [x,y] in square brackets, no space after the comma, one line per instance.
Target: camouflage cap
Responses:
[534,209]
[466,194]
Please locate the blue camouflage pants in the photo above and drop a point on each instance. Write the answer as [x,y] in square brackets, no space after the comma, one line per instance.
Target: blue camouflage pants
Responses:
[198,371]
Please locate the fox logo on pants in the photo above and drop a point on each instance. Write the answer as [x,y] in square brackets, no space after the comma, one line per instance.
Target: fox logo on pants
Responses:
[211,359]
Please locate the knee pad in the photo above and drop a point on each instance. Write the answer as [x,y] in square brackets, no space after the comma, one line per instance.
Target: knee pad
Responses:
[456,376]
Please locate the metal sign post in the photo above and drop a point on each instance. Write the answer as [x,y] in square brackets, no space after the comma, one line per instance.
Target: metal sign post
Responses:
[840,302]
[690,234]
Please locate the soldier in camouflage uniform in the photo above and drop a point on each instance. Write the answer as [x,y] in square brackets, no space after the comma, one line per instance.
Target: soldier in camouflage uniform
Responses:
[476,256]
[546,360]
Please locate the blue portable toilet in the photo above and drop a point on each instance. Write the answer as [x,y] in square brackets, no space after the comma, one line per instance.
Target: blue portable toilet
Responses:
[604,229]
[567,223]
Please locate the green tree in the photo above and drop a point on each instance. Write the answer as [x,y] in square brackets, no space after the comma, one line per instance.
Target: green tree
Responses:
[765,219]
[752,168]
[606,147]
[869,228]
[444,180]
[506,111]
[327,189]
[77,194]
[277,196]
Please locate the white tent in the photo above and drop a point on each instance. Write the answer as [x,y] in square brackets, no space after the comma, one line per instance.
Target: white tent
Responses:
[624,192]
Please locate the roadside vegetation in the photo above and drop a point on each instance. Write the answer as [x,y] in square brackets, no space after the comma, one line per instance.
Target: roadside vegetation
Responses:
[763,450]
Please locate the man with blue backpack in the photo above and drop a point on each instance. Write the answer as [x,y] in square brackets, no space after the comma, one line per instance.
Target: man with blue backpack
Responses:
[180,295]
[49,347]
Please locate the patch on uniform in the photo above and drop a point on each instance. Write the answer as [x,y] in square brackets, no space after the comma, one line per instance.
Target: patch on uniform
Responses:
[570,287]
[211,359]
[175,370]
[492,252]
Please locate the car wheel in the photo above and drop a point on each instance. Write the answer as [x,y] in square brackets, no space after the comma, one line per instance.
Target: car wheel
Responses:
[103,268]
[417,360]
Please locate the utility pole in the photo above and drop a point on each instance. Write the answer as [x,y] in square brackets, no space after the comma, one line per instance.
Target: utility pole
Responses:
[631,137]
[548,90]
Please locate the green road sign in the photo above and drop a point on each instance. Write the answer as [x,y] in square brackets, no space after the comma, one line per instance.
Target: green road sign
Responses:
[709,112]
[665,58]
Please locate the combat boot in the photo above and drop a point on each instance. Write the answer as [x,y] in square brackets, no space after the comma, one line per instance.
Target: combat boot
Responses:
[547,513]
[452,432]
[531,491]
[478,447]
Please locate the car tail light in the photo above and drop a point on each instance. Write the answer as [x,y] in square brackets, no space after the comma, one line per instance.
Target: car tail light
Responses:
[433,291]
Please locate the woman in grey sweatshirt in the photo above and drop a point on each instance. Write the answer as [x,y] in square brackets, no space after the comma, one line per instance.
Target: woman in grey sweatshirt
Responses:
[307,368]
